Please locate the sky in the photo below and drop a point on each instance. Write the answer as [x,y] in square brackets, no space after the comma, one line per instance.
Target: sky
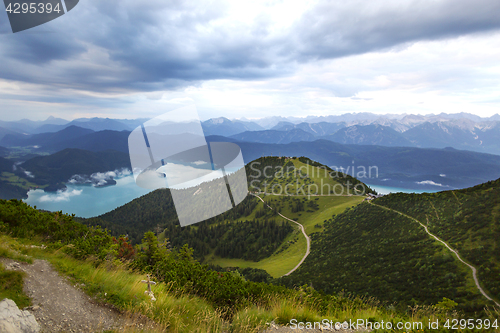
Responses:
[254,59]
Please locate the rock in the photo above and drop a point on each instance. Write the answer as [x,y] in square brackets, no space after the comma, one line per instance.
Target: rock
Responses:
[13,266]
[13,320]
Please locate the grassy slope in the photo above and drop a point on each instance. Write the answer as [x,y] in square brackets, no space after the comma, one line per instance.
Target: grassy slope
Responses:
[284,260]
[112,283]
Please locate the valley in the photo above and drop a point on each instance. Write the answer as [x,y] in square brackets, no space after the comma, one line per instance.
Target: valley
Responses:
[306,221]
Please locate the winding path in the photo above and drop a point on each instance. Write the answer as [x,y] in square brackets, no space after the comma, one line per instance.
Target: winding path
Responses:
[308,240]
[474,270]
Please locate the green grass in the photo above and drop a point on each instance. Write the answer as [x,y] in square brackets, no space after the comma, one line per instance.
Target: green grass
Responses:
[328,206]
[282,261]
[18,181]
[174,312]
[11,282]
[13,249]
[11,286]
[293,248]
[116,285]
[314,180]
[276,265]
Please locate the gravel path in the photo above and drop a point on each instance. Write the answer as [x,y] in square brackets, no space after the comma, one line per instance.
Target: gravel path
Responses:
[474,271]
[60,307]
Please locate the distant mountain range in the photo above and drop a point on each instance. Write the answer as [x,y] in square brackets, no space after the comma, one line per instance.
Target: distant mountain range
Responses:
[70,137]
[225,127]
[370,135]
[94,124]
[410,131]
[316,129]
[273,136]
[460,131]
[410,167]
[395,146]
[28,127]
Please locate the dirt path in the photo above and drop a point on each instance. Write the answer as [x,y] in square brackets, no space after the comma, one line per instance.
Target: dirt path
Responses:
[308,240]
[474,271]
[60,307]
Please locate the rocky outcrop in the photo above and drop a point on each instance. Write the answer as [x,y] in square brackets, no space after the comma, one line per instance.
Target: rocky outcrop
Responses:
[13,320]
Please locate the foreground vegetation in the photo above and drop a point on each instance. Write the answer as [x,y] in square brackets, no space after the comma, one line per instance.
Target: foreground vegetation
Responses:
[189,296]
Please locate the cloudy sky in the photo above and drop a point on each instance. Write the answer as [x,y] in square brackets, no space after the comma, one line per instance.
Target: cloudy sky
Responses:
[130,59]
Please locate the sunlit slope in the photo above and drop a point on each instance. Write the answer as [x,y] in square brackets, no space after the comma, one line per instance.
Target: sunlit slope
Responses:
[301,176]
[302,190]
[294,246]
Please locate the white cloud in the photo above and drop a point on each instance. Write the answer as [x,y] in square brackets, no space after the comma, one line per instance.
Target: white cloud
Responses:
[61,195]
[99,178]
[29,174]
[430,182]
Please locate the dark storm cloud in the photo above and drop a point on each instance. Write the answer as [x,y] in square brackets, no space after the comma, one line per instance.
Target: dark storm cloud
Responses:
[339,30]
[155,45]
[35,49]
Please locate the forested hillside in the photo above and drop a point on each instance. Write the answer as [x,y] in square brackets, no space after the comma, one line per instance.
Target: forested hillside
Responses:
[369,250]
[251,239]
[59,167]
[468,220]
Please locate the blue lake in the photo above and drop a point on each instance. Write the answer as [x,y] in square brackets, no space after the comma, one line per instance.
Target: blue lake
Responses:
[90,201]
[87,200]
